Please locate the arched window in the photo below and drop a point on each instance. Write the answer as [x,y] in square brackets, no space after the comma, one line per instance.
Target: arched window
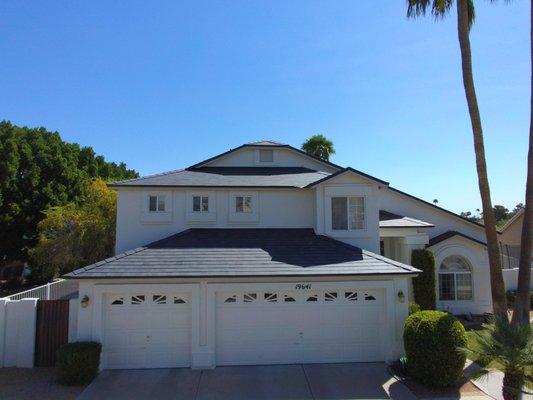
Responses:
[455,279]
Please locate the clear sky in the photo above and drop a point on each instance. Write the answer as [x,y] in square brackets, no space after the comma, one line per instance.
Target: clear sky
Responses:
[162,85]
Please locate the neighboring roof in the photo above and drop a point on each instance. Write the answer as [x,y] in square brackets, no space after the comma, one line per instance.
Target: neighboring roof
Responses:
[436,207]
[345,170]
[278,177]
[266,143]
[449,234]
[513,219]
[391,220]
[243,252]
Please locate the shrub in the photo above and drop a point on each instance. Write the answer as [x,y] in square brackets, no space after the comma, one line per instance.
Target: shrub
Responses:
[77,363]
[431,340]
[413,307]
[424,283]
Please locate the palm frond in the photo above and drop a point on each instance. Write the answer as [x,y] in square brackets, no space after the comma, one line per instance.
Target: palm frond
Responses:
[438,8]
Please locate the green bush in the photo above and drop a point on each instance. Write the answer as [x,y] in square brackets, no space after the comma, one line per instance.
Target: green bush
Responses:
[77,363]
[431,340]
[511,297]
[413,307]
[424,283]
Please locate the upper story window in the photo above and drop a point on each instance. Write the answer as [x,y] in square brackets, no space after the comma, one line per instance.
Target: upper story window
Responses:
[455,279]
[266,155]
[156,203]
[347,213]
[200,203]
[243,204]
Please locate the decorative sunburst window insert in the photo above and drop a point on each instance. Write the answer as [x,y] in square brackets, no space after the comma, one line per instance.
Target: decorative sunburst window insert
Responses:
[312,298]
[231,299]
[369,297]
[159,299]
[330,296]
[350,296]
[138,299]
[249,297]
[288,298]
[117,301]
[179,300]
[271,297]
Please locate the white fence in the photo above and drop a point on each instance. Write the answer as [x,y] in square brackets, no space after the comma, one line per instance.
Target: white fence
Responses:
[510,277]
[59,289]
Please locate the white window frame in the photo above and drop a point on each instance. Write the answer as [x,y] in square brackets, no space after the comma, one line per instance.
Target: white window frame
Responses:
[201,197]
[347,197]
[455,274]
[244,197]
[158,199]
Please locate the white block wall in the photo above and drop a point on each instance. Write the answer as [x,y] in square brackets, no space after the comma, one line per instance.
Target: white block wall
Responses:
[17,332]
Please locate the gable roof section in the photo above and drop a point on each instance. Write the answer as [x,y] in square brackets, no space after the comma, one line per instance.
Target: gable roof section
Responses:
[348,170]
[449,234]
[391,220]
[243,252]
[513,219]
[269,144]
[227,177]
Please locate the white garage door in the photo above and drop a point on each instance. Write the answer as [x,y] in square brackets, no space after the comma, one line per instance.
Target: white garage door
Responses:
[147,330]
[277,327]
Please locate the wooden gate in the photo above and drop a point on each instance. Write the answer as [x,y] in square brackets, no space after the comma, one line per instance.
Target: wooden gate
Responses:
[51,332]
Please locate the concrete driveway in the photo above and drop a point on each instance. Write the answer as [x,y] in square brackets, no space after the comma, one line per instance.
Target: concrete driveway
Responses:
[280,382]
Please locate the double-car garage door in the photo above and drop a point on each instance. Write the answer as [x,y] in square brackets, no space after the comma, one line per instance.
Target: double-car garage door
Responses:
[153,330]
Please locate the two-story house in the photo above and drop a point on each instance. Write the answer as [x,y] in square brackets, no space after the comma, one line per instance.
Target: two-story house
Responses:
[264,255]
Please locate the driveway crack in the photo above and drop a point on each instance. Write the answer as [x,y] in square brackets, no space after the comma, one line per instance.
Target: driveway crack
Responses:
[198,385]
[308,383]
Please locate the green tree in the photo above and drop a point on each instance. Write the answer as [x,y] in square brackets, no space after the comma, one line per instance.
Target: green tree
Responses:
[501,213]
[319,146]
[39,171]
[72,236]
[509,345]
[465,19]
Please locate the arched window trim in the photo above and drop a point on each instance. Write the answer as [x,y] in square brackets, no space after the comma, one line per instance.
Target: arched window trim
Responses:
[458,284]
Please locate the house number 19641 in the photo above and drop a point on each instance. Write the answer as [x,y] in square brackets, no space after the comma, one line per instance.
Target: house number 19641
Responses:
[302,286]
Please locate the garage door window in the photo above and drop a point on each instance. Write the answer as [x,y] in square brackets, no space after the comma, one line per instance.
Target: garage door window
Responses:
[159,299]
[330,296]
[138,299]
[350,296]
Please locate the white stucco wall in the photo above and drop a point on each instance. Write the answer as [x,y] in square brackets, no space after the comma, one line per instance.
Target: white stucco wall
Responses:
[277,208]
[249,157]
[478,258]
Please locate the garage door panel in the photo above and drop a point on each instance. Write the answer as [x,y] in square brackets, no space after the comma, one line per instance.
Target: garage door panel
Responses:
[147,330]
[319,326]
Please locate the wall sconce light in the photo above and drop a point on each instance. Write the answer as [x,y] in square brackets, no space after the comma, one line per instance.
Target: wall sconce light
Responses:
[401,296]
[84,301]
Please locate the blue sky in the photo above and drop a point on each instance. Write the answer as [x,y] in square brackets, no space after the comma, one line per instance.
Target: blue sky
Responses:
[162,85]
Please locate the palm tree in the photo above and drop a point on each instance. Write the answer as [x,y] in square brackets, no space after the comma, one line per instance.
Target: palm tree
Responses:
[521,306]
[465,18]
[511,347]
[319,146]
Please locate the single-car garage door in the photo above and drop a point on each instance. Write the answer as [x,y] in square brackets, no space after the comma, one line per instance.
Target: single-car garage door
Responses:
[147,330]
[276,327]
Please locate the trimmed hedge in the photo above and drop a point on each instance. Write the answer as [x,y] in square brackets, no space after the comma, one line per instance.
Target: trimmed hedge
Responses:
[77,363]
[424,283]
[431,341]
[413,307]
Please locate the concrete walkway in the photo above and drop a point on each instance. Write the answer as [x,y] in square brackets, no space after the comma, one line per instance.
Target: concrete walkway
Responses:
[273,382]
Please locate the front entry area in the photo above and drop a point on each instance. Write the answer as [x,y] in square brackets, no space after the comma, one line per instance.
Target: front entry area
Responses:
[304,326]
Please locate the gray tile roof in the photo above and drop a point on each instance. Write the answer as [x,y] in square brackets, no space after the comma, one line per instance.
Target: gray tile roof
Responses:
[296,177]
[449,234]
[391,220]
[243,252]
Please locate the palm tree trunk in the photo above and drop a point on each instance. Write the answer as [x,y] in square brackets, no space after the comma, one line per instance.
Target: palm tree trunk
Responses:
[521,307]
[499,301]
[512,384]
